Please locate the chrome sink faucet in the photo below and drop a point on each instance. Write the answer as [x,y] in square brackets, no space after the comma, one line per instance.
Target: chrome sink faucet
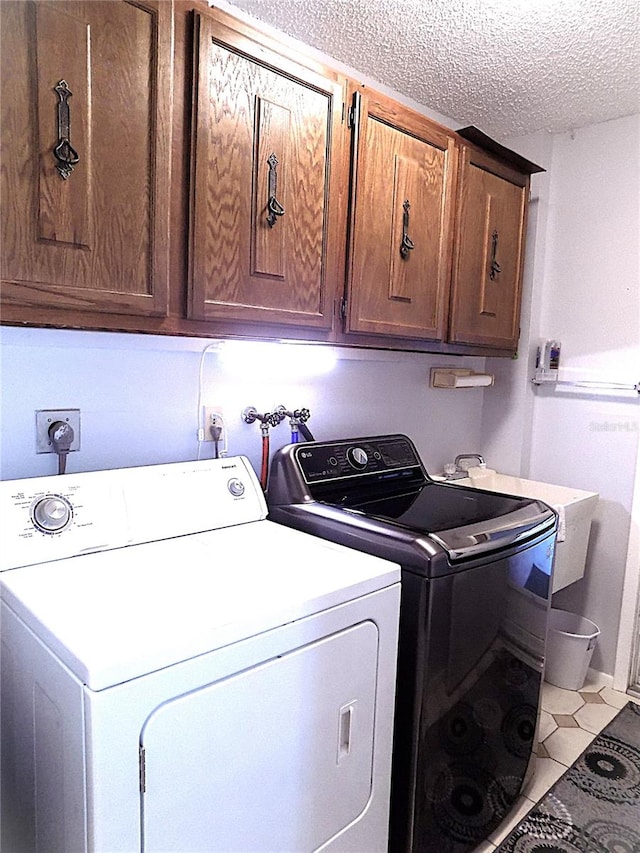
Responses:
[455,471]
[462,456]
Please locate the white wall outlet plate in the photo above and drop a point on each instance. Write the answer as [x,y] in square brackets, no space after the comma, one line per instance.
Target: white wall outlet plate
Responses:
[213,416]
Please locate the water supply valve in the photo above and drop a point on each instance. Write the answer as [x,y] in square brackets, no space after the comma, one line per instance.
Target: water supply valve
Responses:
[267,419]
[297,420]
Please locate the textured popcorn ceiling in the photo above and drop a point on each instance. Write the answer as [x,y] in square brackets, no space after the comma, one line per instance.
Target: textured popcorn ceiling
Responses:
[510,67]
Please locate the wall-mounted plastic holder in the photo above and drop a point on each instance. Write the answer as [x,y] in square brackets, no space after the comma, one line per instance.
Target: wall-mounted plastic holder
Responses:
[459,377]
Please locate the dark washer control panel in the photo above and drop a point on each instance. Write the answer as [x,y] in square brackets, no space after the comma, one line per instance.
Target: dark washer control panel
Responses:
[360,456]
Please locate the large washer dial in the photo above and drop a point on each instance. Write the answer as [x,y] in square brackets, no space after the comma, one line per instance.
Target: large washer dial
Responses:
[52,513]
[357,458]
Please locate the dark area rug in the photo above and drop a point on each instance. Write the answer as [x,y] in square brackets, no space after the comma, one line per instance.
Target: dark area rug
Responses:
[595,806]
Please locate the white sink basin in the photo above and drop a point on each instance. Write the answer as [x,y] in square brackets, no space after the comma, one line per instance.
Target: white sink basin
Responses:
[576,505]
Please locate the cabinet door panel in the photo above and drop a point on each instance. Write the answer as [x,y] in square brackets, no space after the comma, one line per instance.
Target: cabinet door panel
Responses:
[403,186]
[261,134]
[486,304]
[273,129]
[64,215]
[95,238]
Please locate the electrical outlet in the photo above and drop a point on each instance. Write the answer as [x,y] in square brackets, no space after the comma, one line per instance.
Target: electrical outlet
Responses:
[46,417]
[213,416]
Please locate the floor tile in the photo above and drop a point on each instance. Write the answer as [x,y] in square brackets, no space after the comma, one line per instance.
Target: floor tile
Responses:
[547,773]
[485,847]
[565,721]
[547,725]
[614,697]
[565,745]
[517,813]
[541,751]
[557,700]
[594,718]
[595,698]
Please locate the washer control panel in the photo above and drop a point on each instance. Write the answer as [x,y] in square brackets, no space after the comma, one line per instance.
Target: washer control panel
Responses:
[386,455]
[51,518]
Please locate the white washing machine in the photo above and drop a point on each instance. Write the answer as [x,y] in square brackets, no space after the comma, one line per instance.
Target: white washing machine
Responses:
[181,674]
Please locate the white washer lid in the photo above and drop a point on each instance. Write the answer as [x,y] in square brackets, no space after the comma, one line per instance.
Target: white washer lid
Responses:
[116,615]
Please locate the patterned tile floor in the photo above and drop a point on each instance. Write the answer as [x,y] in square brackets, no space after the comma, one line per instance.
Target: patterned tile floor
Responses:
[569,722]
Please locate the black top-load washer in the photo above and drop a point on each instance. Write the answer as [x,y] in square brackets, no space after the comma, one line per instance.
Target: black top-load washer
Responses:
[476,587]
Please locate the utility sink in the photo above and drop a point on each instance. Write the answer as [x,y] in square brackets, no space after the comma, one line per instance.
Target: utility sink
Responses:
[575,507]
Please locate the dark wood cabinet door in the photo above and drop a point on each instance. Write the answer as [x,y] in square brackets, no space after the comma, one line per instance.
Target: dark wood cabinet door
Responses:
[266,241]
[401,223]
[492,202]
[87,230]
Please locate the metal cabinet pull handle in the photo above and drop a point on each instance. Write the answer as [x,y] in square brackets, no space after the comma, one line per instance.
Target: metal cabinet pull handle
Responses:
[494,267]
[64,152]
[407,244]
[273,205]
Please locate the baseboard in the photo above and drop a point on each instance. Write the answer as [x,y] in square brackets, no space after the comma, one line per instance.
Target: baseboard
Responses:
[600,678]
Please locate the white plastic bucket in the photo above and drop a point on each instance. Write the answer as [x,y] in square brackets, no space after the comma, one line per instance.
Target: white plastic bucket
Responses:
[571,640]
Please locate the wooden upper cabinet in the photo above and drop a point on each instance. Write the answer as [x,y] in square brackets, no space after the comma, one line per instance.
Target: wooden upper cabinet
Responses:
[267,233]
[294,190]
[488,260]
[401,221]
[86,96]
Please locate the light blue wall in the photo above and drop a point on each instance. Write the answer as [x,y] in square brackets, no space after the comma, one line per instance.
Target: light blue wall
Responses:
[582,287]
[138,396]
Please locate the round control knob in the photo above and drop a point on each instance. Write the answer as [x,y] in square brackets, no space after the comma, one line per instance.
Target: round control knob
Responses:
[52,514]
[357,458]
[236,487]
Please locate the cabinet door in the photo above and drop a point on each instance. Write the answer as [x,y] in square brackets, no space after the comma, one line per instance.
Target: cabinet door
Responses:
[265,245]
[401,223]
[489,253]
[90,82]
